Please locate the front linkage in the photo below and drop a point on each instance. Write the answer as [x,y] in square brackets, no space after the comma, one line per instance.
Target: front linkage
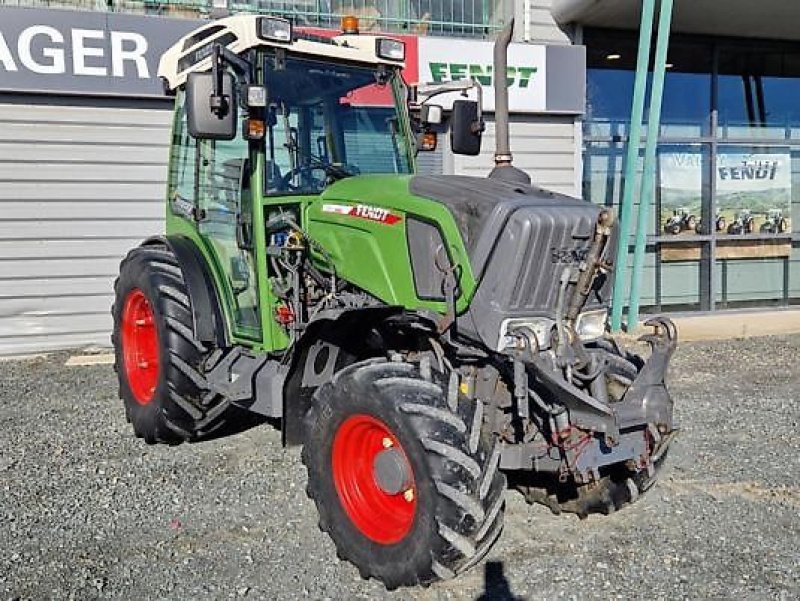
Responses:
[584,425]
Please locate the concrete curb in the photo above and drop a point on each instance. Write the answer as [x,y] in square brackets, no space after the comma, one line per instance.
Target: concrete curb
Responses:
[729,325]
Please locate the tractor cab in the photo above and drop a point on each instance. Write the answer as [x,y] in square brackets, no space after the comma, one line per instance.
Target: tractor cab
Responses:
[267,119]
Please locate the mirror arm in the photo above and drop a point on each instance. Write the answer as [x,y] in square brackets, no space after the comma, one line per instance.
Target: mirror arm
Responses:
[221,56]
[219,106]
[462,85]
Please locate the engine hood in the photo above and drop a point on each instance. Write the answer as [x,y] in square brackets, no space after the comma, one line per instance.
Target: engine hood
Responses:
[520,239]
[482,208]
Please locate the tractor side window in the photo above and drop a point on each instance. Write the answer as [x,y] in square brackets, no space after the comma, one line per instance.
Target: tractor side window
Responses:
[225,200]
[182,164]
[371,138]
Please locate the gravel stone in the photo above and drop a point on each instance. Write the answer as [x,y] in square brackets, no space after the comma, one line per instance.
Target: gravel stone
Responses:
[88,511]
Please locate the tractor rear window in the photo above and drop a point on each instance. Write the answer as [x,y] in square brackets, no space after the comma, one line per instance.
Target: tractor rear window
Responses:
[328,121]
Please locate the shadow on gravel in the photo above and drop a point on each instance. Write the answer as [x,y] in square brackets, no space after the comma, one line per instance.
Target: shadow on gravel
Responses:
[496,586]
[239,420]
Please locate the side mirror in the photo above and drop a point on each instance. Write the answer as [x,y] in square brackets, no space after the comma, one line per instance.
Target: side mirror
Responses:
[203,120]
[466,128]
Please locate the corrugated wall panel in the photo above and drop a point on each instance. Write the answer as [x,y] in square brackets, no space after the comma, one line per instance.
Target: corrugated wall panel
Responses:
[543,147]
[541,28]
[79,186]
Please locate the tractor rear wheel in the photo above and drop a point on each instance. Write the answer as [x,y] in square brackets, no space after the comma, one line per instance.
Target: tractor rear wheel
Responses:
[158,358]
[405,480]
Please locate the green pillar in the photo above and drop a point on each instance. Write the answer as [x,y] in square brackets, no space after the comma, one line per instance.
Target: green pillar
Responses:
[634,136]
[649,175]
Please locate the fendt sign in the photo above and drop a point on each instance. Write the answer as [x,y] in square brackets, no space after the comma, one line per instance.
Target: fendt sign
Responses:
[540,78]
[84,53]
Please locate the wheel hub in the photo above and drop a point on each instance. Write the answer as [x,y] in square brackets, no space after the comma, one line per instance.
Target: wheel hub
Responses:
[140,347]
[391,471]
[374,479]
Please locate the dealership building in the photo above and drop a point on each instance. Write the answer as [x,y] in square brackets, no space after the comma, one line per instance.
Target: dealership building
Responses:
[84,135]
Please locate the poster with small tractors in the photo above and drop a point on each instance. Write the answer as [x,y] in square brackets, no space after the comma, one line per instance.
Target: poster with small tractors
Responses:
[753,192]
[681,188]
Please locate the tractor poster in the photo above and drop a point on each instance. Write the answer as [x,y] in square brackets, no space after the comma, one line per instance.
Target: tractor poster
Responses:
[681,192]
[753,193]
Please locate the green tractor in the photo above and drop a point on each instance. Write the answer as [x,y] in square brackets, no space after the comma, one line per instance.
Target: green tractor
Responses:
[429,340]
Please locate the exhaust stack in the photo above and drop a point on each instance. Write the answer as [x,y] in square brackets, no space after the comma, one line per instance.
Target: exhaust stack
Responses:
[503,169]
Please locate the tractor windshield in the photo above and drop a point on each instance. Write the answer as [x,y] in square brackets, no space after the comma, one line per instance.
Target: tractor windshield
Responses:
[328,121]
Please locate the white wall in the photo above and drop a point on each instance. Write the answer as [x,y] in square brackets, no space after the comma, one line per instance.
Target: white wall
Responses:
[535,23]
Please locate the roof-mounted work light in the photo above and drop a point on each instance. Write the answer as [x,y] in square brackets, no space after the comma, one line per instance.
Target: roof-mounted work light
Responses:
[274,29]
[389,49]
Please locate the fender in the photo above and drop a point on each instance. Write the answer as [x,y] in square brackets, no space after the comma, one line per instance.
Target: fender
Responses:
[325,348]
[209,325]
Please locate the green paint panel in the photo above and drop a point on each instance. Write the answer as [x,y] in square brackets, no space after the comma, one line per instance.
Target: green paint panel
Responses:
[370,249]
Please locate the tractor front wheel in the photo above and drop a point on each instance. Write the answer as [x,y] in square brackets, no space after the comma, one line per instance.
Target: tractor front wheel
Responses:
[405,480]
[158,358]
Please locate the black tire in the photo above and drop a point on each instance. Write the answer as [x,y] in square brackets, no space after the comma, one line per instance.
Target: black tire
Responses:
[721,224]
[783,225]
[691,222]
[181,407]
[459,489]
[674,229]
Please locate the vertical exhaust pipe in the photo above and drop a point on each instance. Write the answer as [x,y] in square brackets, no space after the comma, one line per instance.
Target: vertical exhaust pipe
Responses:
[503,169]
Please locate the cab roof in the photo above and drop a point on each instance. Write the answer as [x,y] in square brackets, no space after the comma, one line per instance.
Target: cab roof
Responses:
[192,53]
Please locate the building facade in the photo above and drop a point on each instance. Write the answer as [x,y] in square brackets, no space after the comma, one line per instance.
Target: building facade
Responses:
[84,134]
[722,232]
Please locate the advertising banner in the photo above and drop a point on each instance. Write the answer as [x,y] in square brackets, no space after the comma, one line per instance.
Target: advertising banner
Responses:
[454,60]
[540,79]
[681,187]
[69,52]
[753,194]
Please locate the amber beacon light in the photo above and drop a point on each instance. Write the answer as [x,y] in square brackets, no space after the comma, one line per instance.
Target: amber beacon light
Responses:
[350,24]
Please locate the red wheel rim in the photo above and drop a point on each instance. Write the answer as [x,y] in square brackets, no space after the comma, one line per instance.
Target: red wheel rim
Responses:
[383,518]
[140,346]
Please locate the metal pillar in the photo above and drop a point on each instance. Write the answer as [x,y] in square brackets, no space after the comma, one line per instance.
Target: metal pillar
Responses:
[634,135]
[649,175]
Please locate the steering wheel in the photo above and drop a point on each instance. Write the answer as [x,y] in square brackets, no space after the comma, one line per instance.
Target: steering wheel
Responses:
[306,173]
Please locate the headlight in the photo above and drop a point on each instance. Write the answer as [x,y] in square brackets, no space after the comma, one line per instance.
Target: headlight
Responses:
[256,96]
[540,327]
[274,30]
[591,324]
[389,49]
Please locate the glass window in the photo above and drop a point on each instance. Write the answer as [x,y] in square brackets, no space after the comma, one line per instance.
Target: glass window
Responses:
[182,163]
[328,122]
[611,64]
[758,91]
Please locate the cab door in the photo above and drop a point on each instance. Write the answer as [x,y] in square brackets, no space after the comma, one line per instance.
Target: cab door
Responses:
[225,200]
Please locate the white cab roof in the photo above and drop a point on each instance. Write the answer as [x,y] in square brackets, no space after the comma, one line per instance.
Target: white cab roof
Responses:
[192,52]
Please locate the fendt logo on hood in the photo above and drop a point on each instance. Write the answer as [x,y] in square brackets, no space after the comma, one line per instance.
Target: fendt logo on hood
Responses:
[368,212]
[515,76]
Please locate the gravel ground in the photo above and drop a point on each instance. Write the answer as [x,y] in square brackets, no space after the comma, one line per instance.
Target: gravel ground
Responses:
[89,511]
